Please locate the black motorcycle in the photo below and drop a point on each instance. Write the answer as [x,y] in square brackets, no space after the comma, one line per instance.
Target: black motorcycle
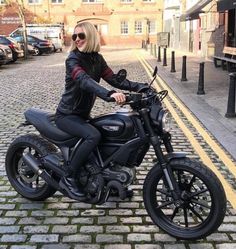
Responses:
[181,195]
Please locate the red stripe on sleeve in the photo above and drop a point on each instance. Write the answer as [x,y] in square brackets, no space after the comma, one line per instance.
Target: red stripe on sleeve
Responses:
[76,71]
[107,73]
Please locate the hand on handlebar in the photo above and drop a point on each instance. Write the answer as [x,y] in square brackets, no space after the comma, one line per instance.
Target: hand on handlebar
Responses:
[120,98]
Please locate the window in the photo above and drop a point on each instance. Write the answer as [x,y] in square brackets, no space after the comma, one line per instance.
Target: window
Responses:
[57,1]
[34,1]
[149,1]
[124,27]
[138,27]
[2,2]
[92,1]
[126,1]
[3,40]
[152,27]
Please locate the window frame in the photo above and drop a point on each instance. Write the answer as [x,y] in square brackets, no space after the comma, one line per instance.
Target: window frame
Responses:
[123,28]
[151,32]
[137,28]
[126,1]
[148,1]
[2,2]
[62,2]
[34,3]
[94,2]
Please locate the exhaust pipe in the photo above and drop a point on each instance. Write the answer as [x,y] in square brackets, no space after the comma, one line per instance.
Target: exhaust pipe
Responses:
[34,164]
[53,162]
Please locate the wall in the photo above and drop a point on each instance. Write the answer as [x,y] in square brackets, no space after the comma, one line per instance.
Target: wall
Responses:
[107,16]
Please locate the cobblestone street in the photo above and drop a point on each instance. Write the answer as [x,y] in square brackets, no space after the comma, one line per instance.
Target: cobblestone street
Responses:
[59,222]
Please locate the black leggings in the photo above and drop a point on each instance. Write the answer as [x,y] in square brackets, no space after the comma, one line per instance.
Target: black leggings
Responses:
[77,126]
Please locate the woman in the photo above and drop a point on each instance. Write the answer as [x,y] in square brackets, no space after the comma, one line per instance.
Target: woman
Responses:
[84,69]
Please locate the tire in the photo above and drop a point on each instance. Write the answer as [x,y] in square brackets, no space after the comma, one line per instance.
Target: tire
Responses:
[197,216]
[14,56]
[37,51]
[22,178]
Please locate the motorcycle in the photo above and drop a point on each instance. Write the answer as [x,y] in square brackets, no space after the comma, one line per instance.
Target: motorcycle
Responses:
[181,195]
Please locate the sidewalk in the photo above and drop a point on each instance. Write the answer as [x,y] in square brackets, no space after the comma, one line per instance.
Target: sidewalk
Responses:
[209,108]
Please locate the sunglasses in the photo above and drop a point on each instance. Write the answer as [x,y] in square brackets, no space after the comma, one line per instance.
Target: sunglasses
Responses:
[81,36]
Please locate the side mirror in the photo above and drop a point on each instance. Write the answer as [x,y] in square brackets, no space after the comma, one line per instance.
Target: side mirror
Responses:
[121,75]
[155,71]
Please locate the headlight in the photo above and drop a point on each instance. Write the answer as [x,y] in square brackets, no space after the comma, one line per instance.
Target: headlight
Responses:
[1,51]
[165,122]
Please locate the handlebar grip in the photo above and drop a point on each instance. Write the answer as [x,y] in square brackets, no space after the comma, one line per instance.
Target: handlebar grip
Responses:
[129,98]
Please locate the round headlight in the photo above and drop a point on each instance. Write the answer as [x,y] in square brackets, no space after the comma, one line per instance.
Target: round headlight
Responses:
[165,122]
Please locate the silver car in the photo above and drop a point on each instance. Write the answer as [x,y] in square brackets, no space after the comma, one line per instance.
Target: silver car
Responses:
[5,54]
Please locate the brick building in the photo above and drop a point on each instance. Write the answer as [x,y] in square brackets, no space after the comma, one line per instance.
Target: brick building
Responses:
[120,22]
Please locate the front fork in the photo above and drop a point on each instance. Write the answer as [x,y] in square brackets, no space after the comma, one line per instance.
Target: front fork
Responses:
[163,160]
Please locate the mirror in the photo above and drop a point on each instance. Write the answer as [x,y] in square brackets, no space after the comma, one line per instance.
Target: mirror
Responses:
[155,71]
[121,75]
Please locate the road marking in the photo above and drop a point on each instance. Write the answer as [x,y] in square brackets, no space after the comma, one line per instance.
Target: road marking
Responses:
[230,193]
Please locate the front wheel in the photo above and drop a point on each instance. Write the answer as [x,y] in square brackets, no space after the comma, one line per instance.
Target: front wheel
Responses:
[201,207]
[37,51]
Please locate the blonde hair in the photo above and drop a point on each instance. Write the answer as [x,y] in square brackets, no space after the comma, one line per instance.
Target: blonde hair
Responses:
[92,38]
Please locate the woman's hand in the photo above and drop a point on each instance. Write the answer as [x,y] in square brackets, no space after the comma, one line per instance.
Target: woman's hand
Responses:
[119,98]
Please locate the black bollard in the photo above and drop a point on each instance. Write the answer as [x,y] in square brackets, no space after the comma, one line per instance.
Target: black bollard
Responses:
[173,62]
[159,54]
[164,58]
[184,69]
[200,90]
[231,98]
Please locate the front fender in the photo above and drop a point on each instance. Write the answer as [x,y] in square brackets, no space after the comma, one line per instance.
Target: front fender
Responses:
[173,155]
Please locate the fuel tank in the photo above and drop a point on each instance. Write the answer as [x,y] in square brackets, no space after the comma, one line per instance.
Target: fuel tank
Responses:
[116,126]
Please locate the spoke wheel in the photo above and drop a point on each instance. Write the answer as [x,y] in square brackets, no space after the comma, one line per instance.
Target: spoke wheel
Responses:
[201,205]
[22,178]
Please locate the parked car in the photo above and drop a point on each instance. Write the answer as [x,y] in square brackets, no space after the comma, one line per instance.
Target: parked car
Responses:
[5,54]
[41,46]
[15,47]
[31,49]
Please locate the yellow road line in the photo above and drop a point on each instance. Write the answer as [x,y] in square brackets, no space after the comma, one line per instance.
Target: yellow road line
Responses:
[230,193]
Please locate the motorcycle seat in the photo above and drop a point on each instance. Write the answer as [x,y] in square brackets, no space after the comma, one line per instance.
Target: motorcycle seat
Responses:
[44,122]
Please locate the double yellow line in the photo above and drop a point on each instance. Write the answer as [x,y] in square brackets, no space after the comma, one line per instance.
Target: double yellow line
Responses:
[230,193]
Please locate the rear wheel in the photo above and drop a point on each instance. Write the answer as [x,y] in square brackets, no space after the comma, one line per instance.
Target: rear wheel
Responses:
[201,207]
[21,177]
[14,56]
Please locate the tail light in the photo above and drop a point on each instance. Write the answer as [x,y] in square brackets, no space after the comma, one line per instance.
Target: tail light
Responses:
[11,46]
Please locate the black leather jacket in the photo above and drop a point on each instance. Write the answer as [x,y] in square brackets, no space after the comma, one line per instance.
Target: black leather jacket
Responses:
[83,72]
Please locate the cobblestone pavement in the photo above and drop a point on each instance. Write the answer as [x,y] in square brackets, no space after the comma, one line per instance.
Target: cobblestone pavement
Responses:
[59,222]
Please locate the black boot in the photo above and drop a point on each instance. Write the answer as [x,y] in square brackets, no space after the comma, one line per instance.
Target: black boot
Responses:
[69,184]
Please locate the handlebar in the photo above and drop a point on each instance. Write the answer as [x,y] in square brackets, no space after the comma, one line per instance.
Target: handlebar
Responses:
[130,97]
[137,99]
